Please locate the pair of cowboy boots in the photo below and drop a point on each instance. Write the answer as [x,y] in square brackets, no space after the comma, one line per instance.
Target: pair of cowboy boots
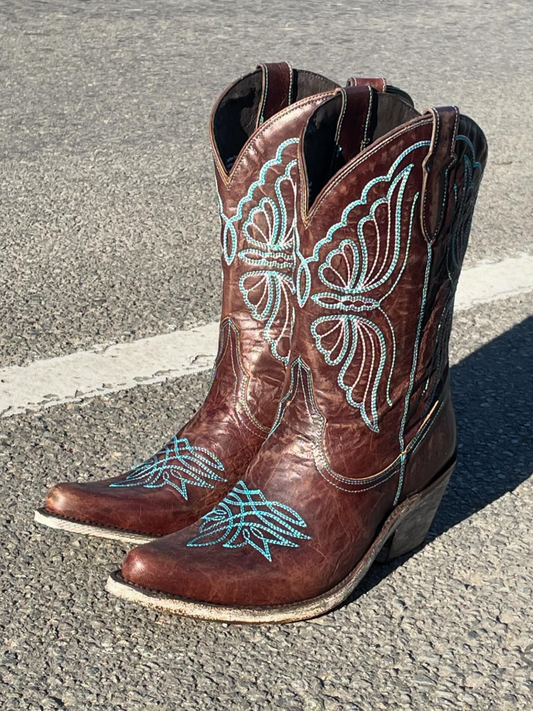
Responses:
[328,435]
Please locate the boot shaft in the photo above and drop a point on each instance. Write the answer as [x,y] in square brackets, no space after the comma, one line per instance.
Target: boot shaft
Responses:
[254,130]
[387,197]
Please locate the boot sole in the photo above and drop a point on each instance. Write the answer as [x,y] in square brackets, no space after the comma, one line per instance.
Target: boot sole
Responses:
[403,531]
[69,525]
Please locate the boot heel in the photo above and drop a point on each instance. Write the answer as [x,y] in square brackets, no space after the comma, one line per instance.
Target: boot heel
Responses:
[414,525]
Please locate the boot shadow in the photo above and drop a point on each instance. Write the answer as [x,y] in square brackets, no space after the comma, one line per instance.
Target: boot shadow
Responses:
[492,392]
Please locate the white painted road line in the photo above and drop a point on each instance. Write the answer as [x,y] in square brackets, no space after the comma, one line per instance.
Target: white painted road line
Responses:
[86,374]
[494,281]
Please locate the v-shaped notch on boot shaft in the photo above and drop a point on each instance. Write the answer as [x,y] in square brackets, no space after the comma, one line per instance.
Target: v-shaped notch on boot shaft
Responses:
[357,123]
[251,101]
[264,94]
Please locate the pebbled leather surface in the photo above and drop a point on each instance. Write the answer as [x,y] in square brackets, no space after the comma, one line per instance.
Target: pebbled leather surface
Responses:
[241,405]
[341,466]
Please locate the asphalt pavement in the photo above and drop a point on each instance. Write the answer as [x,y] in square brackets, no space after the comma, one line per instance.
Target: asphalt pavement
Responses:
[109,234]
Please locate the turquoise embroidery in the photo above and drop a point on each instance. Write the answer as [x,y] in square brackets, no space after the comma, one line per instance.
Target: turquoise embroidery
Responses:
[178,465]
[246,518]
[462,218]
[349,337]
[229,230]
[457,244]
[303,274]
[458,241]
[269,234]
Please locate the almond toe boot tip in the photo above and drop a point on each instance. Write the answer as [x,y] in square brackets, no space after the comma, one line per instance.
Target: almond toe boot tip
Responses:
[60,500]
[140,569]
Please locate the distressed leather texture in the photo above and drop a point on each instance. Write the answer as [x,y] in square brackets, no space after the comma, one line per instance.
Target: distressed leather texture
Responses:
[212,451]
[366,419]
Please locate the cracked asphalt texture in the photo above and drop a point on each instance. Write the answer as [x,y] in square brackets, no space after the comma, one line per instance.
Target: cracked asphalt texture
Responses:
[109,233]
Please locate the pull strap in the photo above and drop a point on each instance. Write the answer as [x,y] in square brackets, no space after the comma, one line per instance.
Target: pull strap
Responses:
[354,120]
[278,85]
[436,166]
[377,83]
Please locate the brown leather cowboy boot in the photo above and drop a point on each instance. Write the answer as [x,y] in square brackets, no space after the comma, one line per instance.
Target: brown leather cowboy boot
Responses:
[364,441]
[254,130]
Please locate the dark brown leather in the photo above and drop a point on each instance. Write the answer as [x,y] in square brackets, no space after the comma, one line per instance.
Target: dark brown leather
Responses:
[351,138]
[278,84]
[377,83]
[212,451]
[439,160]
[366,419]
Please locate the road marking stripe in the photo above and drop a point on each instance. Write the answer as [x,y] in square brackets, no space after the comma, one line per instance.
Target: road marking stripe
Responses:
[488,282]
[74,377]
[102,370]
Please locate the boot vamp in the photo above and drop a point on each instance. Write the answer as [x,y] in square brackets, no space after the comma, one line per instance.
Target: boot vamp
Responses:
[282,535]
[150,511]
[167,492]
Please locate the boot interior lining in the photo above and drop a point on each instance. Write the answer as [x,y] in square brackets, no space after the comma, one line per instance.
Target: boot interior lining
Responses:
[324,158]
[236,115]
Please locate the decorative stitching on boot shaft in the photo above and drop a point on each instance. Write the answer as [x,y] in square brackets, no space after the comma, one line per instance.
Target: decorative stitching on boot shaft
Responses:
[229,232]
[351,339]
[269,234]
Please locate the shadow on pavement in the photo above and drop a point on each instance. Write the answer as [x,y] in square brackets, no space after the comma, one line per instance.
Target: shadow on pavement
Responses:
[492,392]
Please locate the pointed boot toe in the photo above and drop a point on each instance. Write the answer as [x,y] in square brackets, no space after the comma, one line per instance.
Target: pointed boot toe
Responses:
[364,441]
[61,500]
[73,502]
[140,567]
[254,130]
[91,509]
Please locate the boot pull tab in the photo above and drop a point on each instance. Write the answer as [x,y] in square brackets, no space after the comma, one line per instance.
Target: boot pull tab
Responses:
[278,86]
[440,158]
[377,83]
[353,125]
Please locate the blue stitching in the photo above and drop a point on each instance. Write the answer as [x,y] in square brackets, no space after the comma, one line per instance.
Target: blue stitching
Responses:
[247,517]
[346,212]
[354,334]
[181,464]
[229,222]
[456,248]
[275,253]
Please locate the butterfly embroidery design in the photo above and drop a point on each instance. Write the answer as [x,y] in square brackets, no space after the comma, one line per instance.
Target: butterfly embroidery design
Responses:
[357,336]
[268,235]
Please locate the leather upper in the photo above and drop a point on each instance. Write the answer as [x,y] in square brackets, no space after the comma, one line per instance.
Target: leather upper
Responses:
[259,117]
[366,419]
